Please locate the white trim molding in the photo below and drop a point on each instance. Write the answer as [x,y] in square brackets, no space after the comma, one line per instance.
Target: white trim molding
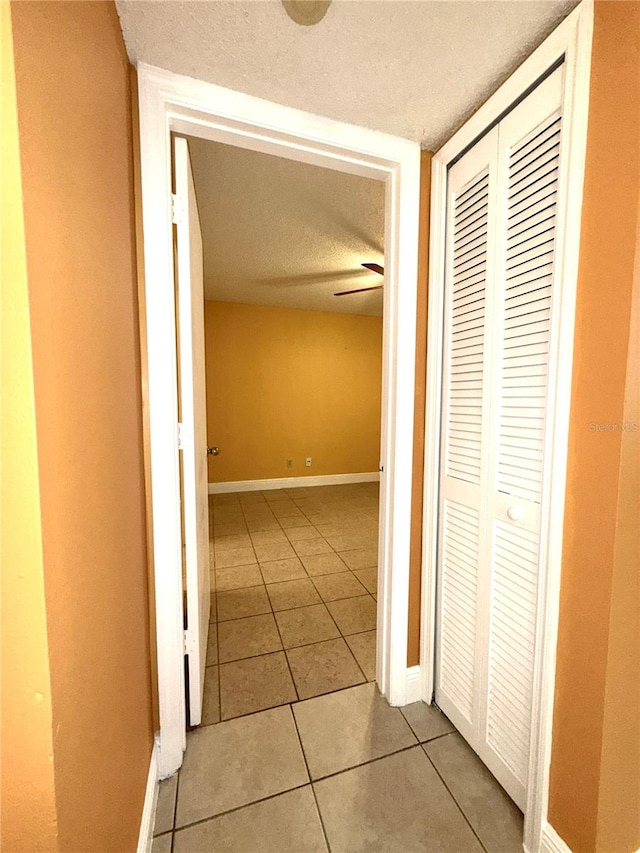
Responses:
[569,44]
[292,483]
[414,685]
[171,103]
[148,819]
[550,841]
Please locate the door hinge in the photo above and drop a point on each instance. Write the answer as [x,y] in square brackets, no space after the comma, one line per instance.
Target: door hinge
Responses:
[180,436]
[178,209]
[189,642]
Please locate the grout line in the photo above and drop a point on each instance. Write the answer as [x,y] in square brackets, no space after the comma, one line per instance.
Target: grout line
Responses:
[313,790]
[286,657]
[175,809]
[239,808]
[365,763]
[458,806]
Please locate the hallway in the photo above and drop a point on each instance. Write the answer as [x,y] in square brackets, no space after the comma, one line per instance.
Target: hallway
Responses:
[308,756]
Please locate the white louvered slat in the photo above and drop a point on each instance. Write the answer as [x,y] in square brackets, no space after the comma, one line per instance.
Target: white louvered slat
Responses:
[511,644]
[526,311]
[465,350]
[458,610]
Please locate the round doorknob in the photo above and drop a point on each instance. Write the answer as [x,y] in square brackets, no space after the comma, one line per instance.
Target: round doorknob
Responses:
[213,451]
[514,513]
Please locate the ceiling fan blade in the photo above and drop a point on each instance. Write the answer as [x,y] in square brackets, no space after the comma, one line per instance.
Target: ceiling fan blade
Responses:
[360,290]
[374,268]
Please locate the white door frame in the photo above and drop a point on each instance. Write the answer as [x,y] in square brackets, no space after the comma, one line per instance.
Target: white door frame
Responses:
[571,41]
[170,102]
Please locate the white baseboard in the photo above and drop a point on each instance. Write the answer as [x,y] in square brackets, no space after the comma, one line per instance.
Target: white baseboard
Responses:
[550,841]
[145,839]
[414,685]
[292,483]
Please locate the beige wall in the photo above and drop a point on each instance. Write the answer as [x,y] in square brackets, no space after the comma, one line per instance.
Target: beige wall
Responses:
[73,97]
[593,616]
[286,384]
[28,793]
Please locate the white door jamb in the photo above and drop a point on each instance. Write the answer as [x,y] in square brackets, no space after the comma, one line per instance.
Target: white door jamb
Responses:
[170,102]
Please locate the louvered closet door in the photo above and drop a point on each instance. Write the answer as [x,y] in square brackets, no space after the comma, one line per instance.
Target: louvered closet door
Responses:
[489,547]
[464,472]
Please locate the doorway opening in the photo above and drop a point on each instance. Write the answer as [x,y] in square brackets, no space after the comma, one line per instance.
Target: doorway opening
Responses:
[293,373]
[173,104]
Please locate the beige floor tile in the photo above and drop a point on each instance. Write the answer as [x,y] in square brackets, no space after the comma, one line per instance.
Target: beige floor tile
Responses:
[254,684]
[354,615]
[490,811]
[323,667]
[211,697]
[368,578]
[353,541]
[274,495]
[234,557]
[228,528]
[306,625]
[231,542]
[166,807]
[323,564]
[288,823]
[260,524]
[300,534]
[212,644]
[238,603]
[361,558]
[395,805]
[294,522]
[341,585]
[290,594]
[363,647]
[239,762]
[228,513]
[162,844]
[274,551]
[283,507]
[282,570]
[427,721]
[348,728]
[237,577]
[309,547]
[290,512]
[246,638]
[267,537]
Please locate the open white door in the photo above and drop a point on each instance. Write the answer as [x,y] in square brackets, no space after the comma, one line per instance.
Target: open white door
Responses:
[193,431]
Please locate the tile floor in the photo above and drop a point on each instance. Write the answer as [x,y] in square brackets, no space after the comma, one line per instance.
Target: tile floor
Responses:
[298,751]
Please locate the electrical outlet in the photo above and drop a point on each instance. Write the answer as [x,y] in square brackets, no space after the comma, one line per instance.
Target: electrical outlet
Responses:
[307,462]
[289,463]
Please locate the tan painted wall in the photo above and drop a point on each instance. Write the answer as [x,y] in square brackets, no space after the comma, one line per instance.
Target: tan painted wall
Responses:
[28,793]
[415,556]
[593,522]
[287,384]
[619,790]
[73,96]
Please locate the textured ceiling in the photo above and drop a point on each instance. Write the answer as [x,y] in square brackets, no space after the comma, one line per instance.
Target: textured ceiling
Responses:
[414,69]
[279,232]
[282,233]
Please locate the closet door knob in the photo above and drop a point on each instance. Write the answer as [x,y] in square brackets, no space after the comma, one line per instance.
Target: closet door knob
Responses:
[514,513]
